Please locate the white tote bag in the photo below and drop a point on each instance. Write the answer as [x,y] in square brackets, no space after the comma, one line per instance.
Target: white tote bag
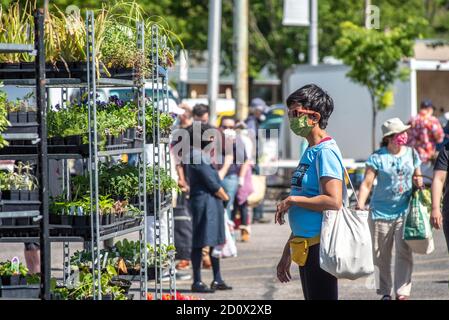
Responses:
[229,248]
[346,246]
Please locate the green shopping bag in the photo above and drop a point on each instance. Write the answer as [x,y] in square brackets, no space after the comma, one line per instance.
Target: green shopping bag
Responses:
[417,223]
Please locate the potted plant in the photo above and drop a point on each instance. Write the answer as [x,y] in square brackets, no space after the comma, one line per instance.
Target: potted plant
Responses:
[13,273]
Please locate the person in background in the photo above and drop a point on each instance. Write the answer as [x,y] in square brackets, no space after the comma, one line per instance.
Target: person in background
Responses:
[396,168]
[316,185]
[200,112]
[257,111]
[246,188]
[425,133]
[33,257]
[206,205]
[440,217]
[235,162]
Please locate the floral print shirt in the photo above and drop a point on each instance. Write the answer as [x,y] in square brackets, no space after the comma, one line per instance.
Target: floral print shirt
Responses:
[425,133]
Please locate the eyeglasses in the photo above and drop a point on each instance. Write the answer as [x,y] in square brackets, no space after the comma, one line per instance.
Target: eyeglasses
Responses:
[227,127]
[298,112]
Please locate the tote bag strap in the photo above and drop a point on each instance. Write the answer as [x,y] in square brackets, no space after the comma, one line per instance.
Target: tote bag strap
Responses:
[345,173]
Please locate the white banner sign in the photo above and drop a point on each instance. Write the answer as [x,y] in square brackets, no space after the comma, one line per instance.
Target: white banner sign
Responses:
[296,13]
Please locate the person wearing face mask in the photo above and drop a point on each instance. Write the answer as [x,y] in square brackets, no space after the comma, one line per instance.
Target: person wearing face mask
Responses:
[316,185]
[235,162]
[397,168]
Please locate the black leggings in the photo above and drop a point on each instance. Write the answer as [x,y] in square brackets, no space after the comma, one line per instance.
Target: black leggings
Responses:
[316,283]
[197,257]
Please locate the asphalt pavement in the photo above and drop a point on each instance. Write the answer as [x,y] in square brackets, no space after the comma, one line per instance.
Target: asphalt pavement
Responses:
[253,273]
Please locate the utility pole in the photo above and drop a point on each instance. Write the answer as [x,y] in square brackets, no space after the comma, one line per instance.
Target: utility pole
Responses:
[313,37]
[214,37]
[241,58]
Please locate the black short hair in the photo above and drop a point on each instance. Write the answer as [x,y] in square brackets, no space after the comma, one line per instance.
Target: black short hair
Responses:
[226,118]
[200,109]
[313,98]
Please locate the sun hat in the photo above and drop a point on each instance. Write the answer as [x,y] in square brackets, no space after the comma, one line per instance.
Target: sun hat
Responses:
[393,126]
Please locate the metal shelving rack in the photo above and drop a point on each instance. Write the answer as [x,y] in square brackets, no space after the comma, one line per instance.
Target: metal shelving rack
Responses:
[160,78]
[38,50]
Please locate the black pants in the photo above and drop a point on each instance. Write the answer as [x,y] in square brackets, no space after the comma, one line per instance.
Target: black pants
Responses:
[446,227]
[316,283]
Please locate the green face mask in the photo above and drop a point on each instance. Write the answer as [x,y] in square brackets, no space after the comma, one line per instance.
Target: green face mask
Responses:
[300,126]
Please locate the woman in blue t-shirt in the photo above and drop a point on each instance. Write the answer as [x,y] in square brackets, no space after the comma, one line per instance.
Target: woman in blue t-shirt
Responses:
[396,167]
[316,186]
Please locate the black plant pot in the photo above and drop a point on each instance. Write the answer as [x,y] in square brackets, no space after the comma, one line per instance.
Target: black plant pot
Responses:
[55,219]
[18,280]
[56,141]
[34,195]
[130,133]
[80,221]
[22,117]
[66,220]
[6,194]
[109,140]
[24,195]
[15,195]
[8,221]
[6,280]
[75,140]
[105,219]
[23,221]
[32,116]
[27,65]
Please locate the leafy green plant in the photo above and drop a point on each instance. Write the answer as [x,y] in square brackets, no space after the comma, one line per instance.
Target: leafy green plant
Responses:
[7,269]
[21,179]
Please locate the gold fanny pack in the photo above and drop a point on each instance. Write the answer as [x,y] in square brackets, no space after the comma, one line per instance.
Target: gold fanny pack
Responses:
[299,248]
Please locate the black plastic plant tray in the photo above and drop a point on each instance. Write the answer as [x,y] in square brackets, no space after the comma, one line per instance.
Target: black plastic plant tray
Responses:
[28,127]
[20,292]
[23,118]
[24,195]
[82,150]
[19,231]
